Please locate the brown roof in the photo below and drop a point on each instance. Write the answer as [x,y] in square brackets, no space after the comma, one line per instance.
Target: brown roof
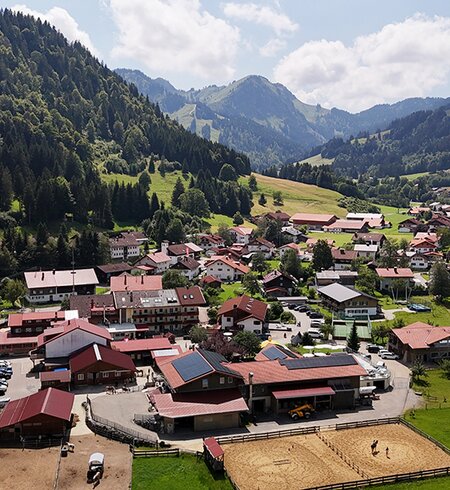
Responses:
[186,263]
[17,319]
[51,402]
[119,267]
[179,249]
[275,275]
[313,218]
[420,335]
[85,304]
[61,376]
[280,215]
[210,279]
[374,237]
[393,272]
[348,224]
[242,230]
[99,353]
[141,344]
[262,241]
[342,254]
[229,262]
[136,283]
[250,306]
[192,296]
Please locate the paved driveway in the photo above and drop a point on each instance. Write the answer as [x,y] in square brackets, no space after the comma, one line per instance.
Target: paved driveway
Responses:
[22,382]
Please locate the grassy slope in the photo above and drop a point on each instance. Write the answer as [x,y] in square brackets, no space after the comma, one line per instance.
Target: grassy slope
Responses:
[185,472]
[317,160]
[297,197]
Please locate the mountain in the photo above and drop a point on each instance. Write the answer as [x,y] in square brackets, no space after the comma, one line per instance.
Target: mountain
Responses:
[65,117]
[265,120]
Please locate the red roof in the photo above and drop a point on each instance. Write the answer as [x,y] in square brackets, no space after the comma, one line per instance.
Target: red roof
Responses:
[178,405]
[213,447]
[6,339]
[17,319]
[303,393]
[62,376]
[273,372]
[420,335]
[347,224]
[192,296]
[313,218]
[51,402]
[230,263]
[78,323]
[210,279]
[141,344]
[136,283]
[250,306]
[394,272]
[342,254]
[98,353]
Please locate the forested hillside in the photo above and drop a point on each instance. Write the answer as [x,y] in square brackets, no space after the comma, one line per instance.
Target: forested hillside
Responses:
[57,105]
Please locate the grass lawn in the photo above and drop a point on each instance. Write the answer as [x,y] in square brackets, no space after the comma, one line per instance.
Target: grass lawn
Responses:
[415,176]
[215,220]
[439,315]
[434,422]
[175,473]
[431,484]
[340,239]
[273,264]
[230,290]
[297,197]
[101,290]
[301,350]
[435,385]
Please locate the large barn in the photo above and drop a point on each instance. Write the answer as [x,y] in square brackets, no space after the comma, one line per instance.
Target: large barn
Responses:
[47,413]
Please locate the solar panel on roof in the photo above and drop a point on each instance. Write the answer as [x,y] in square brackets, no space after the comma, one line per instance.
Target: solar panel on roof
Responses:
[191,366]
[273,353]
[216,360]
[319,362]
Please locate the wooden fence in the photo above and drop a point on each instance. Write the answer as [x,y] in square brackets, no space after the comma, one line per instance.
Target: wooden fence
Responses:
[424,434]
[384,480]
[147,453]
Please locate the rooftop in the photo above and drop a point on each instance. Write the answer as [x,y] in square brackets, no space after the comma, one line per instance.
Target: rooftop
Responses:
[99,353]
[251,306]
[158,343]
[394,272]
[420,335]
[127,282]
[54,278]
[338,292]
[312,218]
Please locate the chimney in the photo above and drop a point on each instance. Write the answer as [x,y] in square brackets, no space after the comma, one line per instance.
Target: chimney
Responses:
[342,251]
[125,279]
[395,270]
[54,271]
[250,389]
[42,276]
[142,279]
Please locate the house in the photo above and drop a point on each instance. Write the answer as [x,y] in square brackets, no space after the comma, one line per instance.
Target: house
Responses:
[226,269]
[343,258]
[179,251]
[47,413]
[106,271]
[410,225]
[125,246]
[99,309]
[418,210]
[57,344]
[187,266]
[344,277]
[365,216]
[261,245]
[289,233]
[241,234]
[422,245]
[97,364]
[158,262]
[386,276]
[347,226]
[420,342]
[243,313]
[49,286]
[14,345]
[278,216]
[161,311]
[438,221]
[289,246]
[312,242]
[313,221]
[35,322]
[127,282]
[364,251]
[60,379]
[348,302]
[204,393]
[278,283]
[207,242]
[210,281]
[418,261]
[431,237]
[369,238]
[140,350]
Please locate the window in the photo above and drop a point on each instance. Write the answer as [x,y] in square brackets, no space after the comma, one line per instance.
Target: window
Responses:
[105,374]
[80,377]
[205,383]
[230,379]
[222,380]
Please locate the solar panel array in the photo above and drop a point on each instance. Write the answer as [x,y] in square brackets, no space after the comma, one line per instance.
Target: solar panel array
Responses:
[319,362]
[192,366]
[273,353]
[216,360]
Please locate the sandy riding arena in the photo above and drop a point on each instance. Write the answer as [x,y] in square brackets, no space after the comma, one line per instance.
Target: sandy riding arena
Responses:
[306,461]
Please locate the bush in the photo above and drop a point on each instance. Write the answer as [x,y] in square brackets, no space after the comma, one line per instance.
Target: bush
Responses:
[287,317]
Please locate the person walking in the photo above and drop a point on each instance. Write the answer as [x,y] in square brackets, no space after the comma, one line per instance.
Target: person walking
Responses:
[387,453]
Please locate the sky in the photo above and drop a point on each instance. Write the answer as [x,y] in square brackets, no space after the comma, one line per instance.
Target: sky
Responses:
[337,53]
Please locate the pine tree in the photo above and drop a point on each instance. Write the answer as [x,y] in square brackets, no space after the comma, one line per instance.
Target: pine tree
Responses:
[262,201]
[154,204]
[151,165]
[178,190]
[252,183]
[42,234]
[353,339]
[322,258]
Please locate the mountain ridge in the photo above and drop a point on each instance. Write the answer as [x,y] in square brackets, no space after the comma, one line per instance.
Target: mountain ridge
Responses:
[274,111]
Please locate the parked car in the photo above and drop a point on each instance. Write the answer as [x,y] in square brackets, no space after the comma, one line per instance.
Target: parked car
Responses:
[3,401]
[389,355]
[315,333]
[5,374]
[292,306]
[314,314]
[303,308]
[3,381]
[373,348]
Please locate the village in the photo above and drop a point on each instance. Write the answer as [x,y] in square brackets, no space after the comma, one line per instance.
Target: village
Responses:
[170,346]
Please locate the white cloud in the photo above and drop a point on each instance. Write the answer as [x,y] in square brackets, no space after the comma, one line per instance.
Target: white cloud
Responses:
[64,22]
[401,60]
[263,15]
[272,47]
[176,36]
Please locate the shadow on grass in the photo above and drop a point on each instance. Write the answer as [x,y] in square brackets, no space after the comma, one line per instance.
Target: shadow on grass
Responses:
[423,383]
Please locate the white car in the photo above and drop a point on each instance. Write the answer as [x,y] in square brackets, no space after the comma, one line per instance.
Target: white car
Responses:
[389,355]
